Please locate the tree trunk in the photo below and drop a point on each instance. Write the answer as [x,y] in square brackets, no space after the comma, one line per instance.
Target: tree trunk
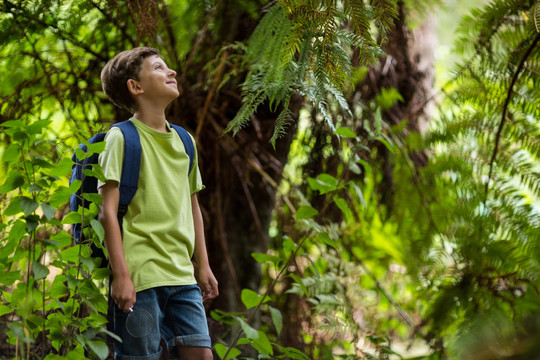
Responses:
[409,68]
[241,172]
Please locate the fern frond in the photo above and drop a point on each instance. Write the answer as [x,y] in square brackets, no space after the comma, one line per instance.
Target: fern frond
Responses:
[361,17]
[489,137]
[282,122]
[384,12]
[306,46]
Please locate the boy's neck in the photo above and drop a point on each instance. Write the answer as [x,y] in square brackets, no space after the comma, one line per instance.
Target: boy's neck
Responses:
[154,119]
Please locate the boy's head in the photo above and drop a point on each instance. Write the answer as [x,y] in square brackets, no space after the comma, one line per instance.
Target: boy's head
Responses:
[116,73]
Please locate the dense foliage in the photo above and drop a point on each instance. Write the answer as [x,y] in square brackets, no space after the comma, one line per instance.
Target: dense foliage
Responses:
[450,270]
[454,261]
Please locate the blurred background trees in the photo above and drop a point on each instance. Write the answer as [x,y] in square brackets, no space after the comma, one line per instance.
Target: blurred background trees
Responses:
[369,193]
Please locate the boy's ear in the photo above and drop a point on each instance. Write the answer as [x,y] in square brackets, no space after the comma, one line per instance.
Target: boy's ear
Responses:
[134,87]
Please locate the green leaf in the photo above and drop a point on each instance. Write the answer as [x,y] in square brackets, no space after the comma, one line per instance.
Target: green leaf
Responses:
[71,254]
[32,222]
[62,168]
[355,168]
[62,238]
[326,239]
[387,142]
[4,309]
[13,208]
[98,229]
[8,278]
[342,204]
[262,344]
[74,186]
[72,218]
[243,341]
[11,153]
[101,273]
[96,147]
[13,123]
[48,211]
[14,180]
[93,198]
[293,353]
[58,288]
[387,98]
[100,348]
[360,195]
[277,319]
[76,354]
[305,212]
[288,244]
[88,262]
[17,231]
[35,188]
[324,183]
[40,271]
[81,154]
[221,350]
[97,171]
[37,126]
[251,299]
[60,197]
[263,258]
[250,332]
[346,132]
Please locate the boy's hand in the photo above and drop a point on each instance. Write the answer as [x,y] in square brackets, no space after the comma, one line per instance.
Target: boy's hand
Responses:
[208,284]
[123,293]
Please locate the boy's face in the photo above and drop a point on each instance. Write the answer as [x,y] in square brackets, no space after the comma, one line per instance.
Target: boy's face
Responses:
[157,81]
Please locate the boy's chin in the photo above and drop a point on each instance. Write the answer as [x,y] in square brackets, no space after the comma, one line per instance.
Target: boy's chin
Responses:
[176,94]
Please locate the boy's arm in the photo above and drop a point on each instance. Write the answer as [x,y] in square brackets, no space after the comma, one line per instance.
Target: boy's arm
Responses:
[206,279]
[122,289]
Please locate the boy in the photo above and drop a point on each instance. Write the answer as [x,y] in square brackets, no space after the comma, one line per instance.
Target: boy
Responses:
[153,287]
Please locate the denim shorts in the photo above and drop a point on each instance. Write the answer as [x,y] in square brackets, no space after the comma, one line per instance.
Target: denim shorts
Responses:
[173,313]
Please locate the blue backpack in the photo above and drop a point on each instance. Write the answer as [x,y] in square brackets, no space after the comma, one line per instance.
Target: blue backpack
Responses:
[130,172]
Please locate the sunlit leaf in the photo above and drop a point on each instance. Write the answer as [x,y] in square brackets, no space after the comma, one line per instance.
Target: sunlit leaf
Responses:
[72,218]
[263,258]
[221,350]
[305,212]
[250,332]
[346,132]
[62,168]
[251,299]
[14,180]
[11,153]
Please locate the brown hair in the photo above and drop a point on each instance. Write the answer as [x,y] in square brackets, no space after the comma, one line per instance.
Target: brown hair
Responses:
[124,66]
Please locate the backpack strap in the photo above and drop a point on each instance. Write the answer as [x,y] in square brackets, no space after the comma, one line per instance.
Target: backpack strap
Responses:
[89,185]
[188,143]
[131,166]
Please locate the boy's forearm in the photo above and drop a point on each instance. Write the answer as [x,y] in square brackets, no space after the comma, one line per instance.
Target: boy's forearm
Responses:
[206,279]
[200,254]
[113,235]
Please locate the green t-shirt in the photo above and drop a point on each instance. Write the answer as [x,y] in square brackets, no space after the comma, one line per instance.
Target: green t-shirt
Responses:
[158,231]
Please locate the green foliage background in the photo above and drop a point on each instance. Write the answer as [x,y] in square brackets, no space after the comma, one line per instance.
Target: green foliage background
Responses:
[450,271]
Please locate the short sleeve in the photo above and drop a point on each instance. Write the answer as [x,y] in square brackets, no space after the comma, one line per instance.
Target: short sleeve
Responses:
[195,178]
[111,159]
